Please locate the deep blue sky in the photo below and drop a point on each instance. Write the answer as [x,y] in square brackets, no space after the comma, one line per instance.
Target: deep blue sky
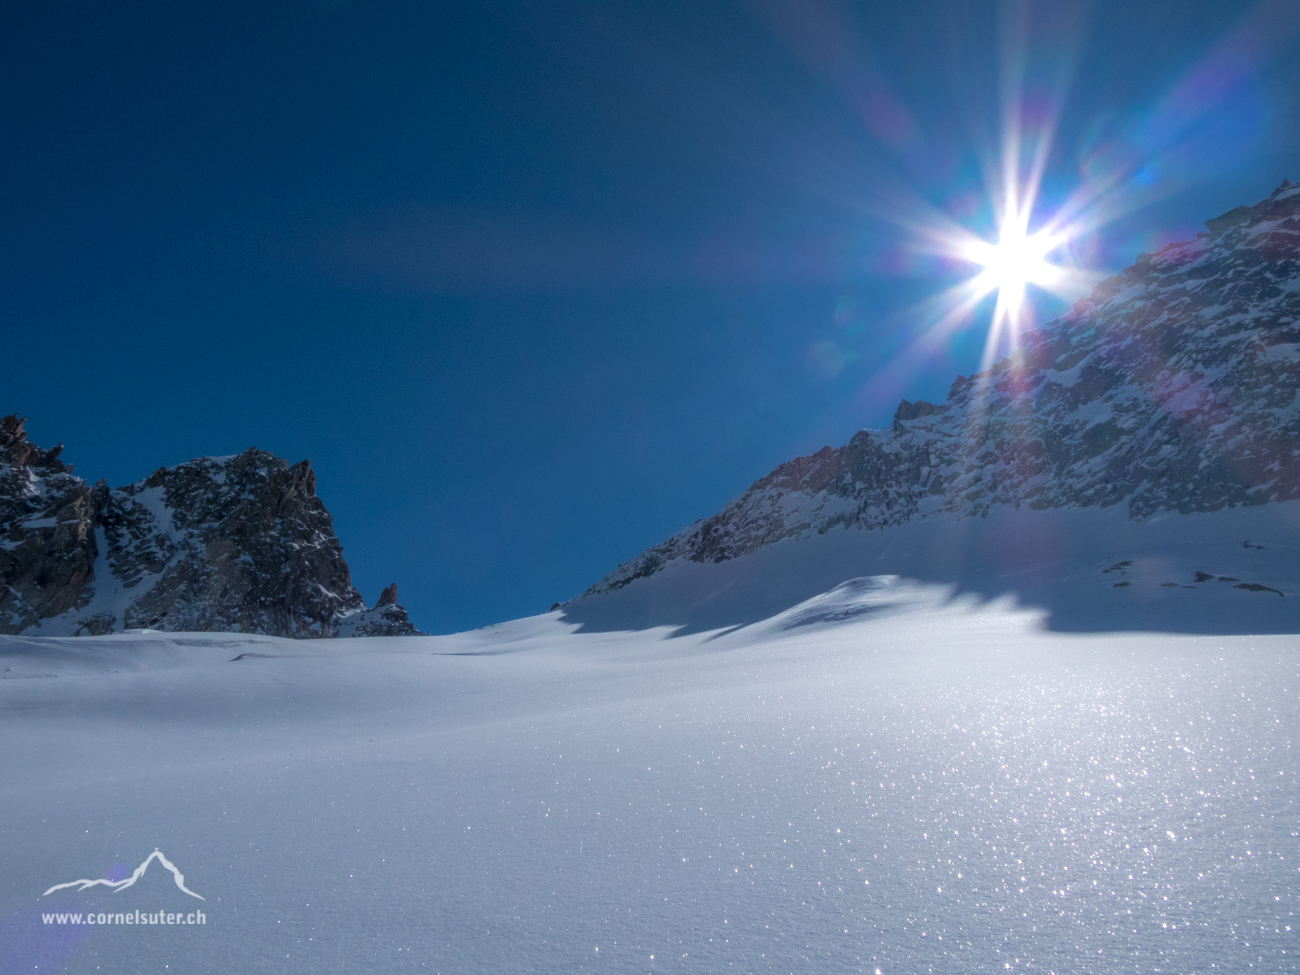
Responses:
[532,284]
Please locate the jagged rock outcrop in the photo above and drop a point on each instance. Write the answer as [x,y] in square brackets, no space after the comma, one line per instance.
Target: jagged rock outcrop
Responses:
[236,543]
[47,532]
[1174,387]
[386,619]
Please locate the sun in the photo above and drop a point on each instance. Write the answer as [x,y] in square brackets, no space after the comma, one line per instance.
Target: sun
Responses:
[1018,259]
[1008,265]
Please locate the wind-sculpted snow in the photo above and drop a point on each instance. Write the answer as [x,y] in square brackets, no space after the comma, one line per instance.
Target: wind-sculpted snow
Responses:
[228,543]
[885,776]
[1172,388]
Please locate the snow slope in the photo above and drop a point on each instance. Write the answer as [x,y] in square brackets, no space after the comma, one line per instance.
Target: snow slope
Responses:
[1230,571]
[893,773]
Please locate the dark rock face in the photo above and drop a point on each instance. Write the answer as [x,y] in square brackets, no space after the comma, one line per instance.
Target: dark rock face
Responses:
[240,543]
[47,531]
[1174,387]
[237,543]
[914,411]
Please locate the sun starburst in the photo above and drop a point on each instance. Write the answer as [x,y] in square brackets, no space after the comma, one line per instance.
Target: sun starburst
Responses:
[1016,260]
[1010,265]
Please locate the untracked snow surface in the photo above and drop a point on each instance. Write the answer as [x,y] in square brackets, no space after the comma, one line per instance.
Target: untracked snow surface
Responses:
[896,773]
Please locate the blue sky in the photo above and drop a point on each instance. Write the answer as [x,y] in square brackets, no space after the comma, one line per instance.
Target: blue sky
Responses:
[535,285]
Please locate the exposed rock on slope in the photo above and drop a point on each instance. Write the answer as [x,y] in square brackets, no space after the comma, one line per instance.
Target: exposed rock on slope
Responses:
[386,619]
[47,532]
[232,543]
[1172,388]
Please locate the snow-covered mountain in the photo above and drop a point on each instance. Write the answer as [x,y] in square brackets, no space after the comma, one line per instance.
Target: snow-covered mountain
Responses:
[1173,388]
[237,543]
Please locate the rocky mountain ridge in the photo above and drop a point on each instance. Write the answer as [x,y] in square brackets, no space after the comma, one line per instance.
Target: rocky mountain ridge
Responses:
[1174,387]
[237,543]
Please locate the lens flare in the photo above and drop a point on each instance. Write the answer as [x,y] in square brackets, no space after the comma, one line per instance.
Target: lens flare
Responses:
[1039,248]
[1016,260]
[1009,265]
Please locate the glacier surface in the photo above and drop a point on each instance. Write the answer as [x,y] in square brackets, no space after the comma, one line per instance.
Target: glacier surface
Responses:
[891,771]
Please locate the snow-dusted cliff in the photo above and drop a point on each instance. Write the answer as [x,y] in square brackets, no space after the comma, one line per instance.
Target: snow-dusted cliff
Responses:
[236,543]
[1172,388]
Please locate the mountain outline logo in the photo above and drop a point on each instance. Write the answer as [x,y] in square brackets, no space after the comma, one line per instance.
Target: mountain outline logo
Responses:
[121,885]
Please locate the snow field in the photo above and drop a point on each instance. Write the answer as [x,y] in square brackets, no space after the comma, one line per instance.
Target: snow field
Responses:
[942,786]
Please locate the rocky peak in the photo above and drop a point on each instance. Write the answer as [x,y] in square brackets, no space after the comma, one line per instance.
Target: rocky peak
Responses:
[217,543]
[1279,206]
[16,451]
[912,411]
[47,537]
[386,619]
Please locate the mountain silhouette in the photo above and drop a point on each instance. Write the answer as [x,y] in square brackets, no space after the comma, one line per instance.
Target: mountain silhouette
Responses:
[121,885]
